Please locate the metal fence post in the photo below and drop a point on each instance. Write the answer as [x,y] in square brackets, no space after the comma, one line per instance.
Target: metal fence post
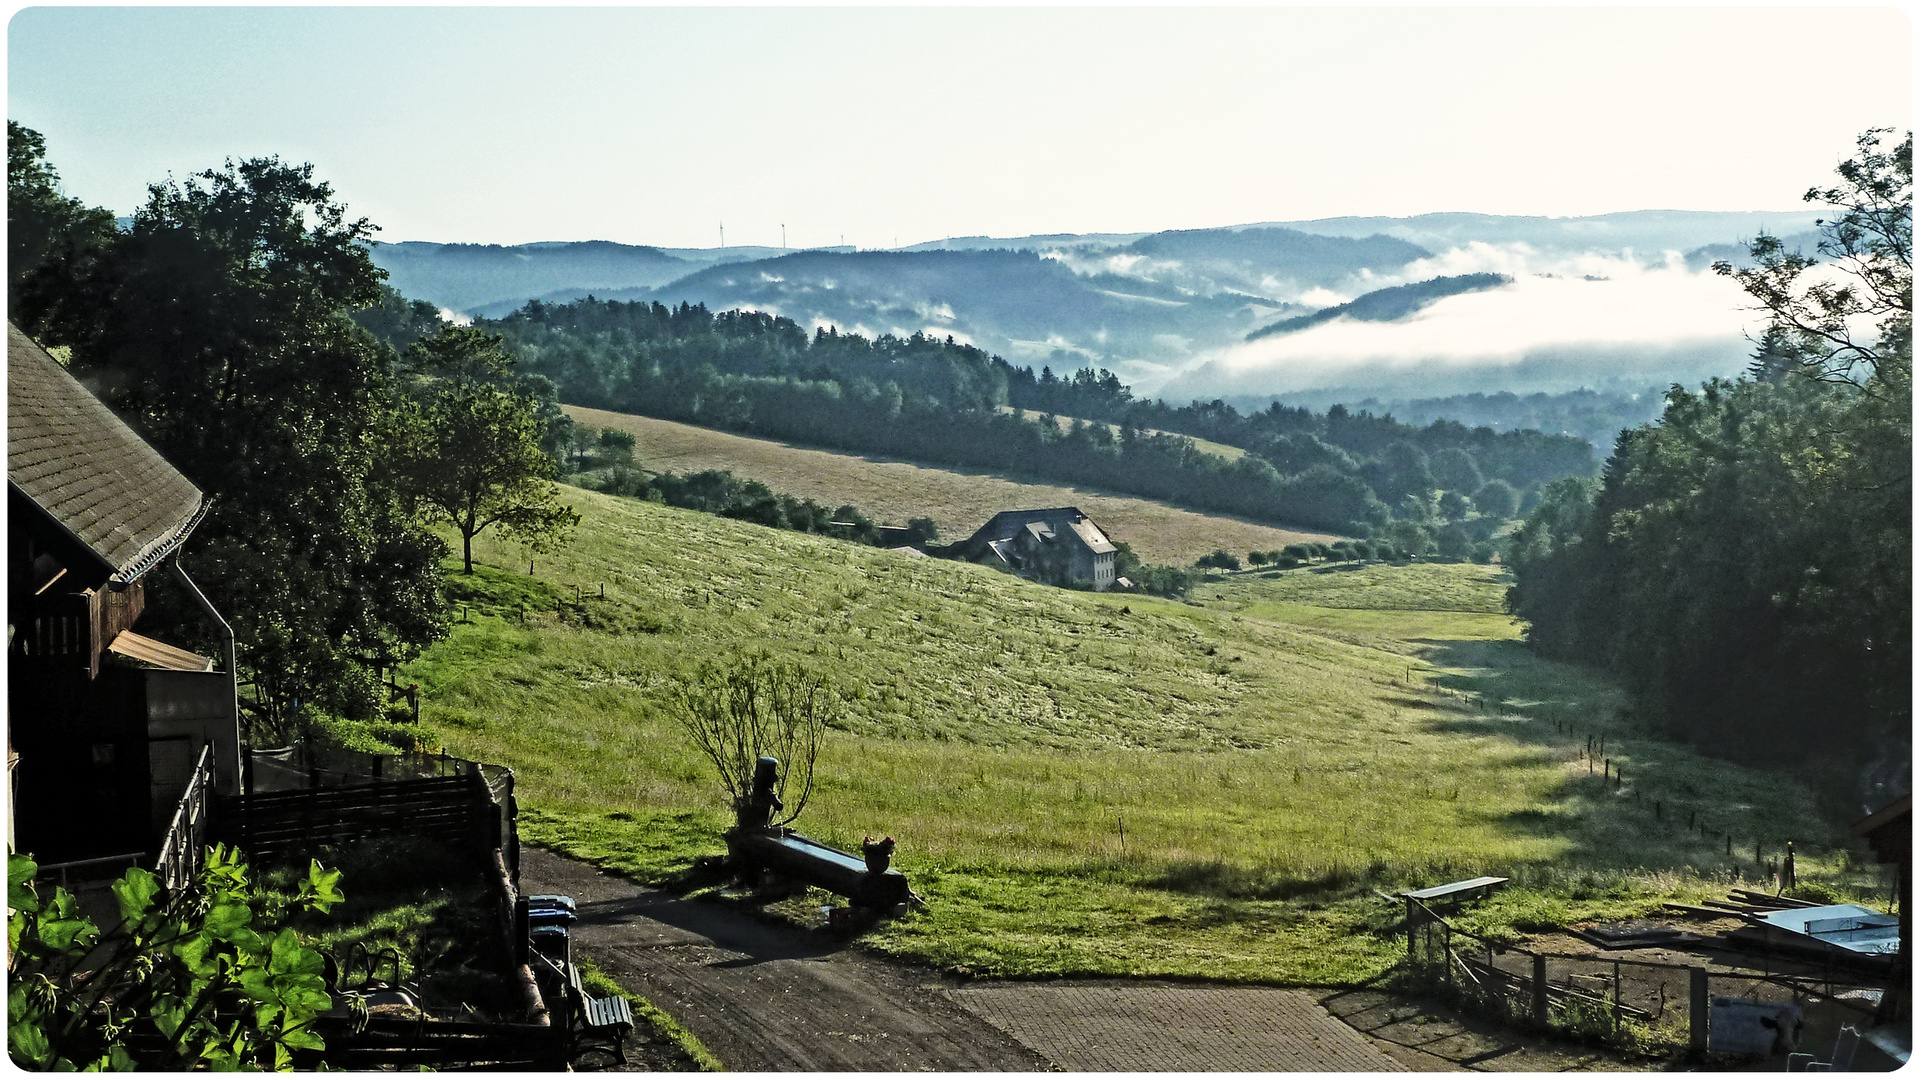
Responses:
[1698,1009]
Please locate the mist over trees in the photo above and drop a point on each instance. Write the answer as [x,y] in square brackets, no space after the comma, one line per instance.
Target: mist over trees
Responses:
[1744,562]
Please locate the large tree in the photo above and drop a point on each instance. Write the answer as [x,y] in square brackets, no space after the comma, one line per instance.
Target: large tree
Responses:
[473,452]
[1745,564]
[219,326]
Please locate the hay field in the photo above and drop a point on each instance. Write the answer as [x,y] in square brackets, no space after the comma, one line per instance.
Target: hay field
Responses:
[892,491]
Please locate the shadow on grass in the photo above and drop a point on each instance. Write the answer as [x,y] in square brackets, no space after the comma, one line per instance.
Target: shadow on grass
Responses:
[1644,800]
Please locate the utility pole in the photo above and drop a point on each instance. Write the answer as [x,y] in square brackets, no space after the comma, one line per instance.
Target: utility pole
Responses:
[783,236]
[723,236]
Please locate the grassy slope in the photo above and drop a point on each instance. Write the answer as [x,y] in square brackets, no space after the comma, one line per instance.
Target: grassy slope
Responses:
[1263,750]
[959,501]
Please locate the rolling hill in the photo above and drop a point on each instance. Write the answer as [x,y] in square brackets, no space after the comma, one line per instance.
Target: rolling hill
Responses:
[892,492]
[1273,752]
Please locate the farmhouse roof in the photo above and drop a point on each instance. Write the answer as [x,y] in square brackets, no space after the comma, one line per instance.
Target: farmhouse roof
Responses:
[1042,523]
[87,471]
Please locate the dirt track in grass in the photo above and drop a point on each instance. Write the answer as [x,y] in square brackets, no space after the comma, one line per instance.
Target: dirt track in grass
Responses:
[959,501]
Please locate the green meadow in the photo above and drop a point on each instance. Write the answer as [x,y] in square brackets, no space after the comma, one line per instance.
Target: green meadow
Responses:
[1084,783]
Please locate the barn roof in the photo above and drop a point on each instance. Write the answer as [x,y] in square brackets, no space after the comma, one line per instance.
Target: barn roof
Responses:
[87,471]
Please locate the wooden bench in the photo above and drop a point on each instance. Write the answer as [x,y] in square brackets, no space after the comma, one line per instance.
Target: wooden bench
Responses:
[1456,890]
[608,1018]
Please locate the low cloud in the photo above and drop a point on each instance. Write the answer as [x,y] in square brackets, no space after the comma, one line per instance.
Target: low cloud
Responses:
[1590,318]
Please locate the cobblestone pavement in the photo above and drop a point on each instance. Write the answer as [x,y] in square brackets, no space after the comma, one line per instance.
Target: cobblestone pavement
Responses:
[1130,1026]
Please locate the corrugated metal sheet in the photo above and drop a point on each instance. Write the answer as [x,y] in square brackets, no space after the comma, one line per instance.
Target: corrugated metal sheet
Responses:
[1845,926]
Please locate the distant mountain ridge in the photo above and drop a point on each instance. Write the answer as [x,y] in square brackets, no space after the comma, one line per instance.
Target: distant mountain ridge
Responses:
[1148,306]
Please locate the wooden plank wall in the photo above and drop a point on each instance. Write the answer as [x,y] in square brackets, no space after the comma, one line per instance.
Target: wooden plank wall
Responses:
[452,809]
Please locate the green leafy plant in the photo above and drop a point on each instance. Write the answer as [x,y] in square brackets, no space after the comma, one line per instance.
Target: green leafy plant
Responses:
[189,978]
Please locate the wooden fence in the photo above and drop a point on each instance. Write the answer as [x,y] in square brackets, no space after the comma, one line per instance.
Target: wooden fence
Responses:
[1589,988]
[456,810]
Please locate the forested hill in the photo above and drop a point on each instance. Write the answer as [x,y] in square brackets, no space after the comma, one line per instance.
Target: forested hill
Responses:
[1383,305]
[937,400]
[1304,255]
[1011,302]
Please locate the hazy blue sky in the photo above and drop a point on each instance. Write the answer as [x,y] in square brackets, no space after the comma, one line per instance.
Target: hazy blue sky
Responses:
[652,125]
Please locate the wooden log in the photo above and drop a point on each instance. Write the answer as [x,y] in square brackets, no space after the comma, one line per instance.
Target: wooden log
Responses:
[1698,912]
[796,856]
[1766,900]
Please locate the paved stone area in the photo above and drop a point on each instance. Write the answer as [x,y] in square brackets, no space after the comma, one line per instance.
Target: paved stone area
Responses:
[1427,1036]
[1113,1026]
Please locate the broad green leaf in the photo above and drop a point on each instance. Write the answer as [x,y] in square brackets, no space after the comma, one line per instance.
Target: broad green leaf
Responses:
[168,1013]
[225,919]
[20,870]
[324,885]
[27,1045]
[137,891]
[290,957]
[65,935]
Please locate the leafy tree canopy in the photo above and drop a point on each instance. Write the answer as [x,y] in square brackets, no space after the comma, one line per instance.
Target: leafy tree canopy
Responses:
[219,327]
[472,450]
[1745,564]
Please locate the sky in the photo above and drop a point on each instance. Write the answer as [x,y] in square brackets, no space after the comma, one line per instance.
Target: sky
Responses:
[888,126]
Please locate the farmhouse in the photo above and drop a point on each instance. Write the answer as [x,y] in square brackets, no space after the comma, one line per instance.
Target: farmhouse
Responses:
[1061,546]
[106,727]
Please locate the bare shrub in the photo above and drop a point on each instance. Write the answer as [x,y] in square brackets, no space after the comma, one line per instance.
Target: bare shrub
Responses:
[758,706]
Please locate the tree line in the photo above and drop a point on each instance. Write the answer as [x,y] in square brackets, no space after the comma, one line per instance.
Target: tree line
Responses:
[1743,563]
[947,402]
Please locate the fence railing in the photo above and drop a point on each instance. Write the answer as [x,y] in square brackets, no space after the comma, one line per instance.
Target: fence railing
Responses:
[1603,995]
[1543,987]
[185,844]
[90,870]
[304,768]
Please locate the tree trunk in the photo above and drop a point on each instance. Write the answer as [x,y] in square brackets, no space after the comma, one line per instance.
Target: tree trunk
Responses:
[467,551]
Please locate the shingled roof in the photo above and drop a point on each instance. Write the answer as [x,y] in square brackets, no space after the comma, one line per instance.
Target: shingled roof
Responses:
[86,468]
[1008,522]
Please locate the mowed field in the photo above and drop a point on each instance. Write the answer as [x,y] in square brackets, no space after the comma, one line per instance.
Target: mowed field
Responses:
[891,491]
[1091,783]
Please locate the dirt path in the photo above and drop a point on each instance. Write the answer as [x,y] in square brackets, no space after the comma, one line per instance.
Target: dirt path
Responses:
[1125,1025]
[766,999]
[769,998]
